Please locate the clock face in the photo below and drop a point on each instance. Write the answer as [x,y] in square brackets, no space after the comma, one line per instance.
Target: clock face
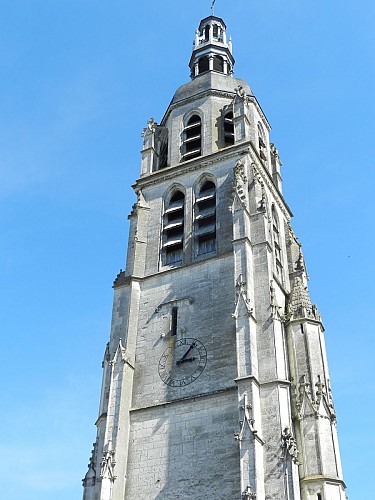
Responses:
[182,362]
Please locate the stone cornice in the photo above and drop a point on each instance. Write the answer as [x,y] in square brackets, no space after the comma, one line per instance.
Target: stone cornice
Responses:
[168,173]
[262,243]
[187,398]
[139,279]
[305,319]
[310,479]
[122,280]
[247,377]
[209,92]
[277,381]
[242,239]
[190,264]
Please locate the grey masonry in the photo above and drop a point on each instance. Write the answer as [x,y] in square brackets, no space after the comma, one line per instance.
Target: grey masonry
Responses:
[215,378]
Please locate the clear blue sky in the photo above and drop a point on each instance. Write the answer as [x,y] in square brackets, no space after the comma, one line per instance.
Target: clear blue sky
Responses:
[79,80]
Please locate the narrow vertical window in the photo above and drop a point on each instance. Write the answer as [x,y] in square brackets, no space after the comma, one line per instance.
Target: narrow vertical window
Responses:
[228,129]
[277,245]
[193,138]
[319,496]
[173,229]
[163,148]
[174,321]
[262,143]
[207,32]
[205,219]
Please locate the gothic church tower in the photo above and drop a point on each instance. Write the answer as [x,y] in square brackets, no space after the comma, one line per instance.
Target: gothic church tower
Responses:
[215,378]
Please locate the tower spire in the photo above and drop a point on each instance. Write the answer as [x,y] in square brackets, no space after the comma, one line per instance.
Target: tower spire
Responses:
[211,51]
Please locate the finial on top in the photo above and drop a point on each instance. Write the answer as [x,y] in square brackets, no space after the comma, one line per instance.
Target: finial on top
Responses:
[211,51]
[212,7]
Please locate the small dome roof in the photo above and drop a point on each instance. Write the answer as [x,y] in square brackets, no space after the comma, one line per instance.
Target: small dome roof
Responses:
[209,81]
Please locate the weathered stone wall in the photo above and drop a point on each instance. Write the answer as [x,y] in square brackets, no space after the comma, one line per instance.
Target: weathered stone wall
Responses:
[185,450]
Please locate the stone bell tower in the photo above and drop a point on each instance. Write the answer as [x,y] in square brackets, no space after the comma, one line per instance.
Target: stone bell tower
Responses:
[215,377]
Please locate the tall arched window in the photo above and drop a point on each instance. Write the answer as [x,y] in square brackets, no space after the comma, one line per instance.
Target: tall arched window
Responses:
[203,65]
[205,219]
[228,129]
[193,138]
[218,64]
[262,143]
[277,244]
[173,229]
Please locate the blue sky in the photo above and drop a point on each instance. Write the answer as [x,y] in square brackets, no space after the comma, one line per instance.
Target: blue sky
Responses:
[79,80]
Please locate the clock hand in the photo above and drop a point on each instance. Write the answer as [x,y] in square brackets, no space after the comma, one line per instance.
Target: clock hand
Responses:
[186,353]
[186,360]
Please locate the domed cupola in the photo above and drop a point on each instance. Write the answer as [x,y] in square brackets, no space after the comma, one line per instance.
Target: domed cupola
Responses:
[211,50]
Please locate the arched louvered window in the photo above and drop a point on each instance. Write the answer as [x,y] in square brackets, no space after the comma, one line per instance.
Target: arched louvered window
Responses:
[193,138]
[205,219]
[277,244]
[173,229]
[262,143]
[228,129]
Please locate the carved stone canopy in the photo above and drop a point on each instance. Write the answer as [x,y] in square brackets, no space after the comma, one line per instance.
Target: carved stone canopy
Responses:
[317,402]
[108,463]
[247,421]
[242,295]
